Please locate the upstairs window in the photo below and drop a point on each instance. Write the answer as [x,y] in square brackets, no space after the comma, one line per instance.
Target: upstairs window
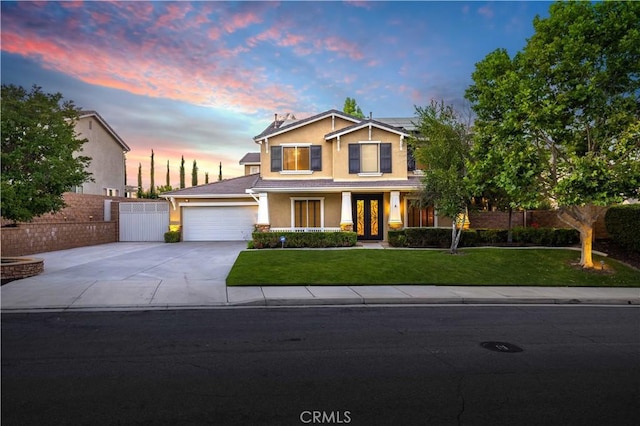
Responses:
[370,158]
[296,158]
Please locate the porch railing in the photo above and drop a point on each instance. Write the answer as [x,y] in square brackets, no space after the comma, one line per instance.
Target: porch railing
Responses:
[325,229]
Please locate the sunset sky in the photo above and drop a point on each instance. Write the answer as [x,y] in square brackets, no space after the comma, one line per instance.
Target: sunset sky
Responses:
[200,79]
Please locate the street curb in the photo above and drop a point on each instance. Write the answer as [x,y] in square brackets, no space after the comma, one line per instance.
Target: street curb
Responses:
[328,302]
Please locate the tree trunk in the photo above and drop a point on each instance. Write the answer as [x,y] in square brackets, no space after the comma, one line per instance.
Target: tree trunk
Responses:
[456,233]
[510,228]
[582,219]
[453,249]
[586,241]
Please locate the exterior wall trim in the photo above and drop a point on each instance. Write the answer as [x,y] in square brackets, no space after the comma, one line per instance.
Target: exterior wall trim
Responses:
[217,204]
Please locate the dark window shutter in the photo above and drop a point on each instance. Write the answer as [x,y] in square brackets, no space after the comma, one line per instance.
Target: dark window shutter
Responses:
[276,158]
[354,158]
[385,158]
[411,160]
[316,157]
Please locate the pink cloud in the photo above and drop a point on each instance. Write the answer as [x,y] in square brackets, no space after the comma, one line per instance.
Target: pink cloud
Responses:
[240,21]
[486,11]
[291,40]
[155,72]
[336,44]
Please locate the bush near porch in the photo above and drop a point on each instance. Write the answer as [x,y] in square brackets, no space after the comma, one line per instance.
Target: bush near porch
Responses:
[623,224]
[441,237]
[303,239]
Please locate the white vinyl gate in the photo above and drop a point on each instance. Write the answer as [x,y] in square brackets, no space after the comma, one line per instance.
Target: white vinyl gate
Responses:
[143,221]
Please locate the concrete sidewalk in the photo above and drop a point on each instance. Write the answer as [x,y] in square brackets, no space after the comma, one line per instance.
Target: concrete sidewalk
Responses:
[141,276]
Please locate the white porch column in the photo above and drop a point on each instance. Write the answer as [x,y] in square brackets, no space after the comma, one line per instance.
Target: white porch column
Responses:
[263,211]
[346,215]
[394,211]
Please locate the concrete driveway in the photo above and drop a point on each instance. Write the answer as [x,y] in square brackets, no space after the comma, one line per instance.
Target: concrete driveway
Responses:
[128,275]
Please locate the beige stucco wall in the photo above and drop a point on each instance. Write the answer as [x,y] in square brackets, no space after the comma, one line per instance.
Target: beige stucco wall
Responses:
[108,159]
[312,133]
[247,168]
[341,158]
[280,208]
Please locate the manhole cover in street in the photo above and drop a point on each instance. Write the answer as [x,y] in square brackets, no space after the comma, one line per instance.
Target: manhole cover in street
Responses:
[501,347]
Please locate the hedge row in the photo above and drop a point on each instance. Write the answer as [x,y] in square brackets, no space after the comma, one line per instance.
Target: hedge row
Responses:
[441,237]
[623,225]
[303,239]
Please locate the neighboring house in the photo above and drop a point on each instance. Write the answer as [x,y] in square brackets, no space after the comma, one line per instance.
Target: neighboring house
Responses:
[251,163]
[107,151]
[328,172]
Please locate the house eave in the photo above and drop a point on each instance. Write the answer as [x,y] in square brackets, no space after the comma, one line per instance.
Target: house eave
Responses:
[180,196]
[304,122]
[364,125]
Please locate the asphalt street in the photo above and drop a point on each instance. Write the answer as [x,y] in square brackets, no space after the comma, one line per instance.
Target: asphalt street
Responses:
[420,365]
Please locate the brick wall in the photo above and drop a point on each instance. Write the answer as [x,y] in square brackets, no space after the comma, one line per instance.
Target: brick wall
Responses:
[80,208]
[79,224]
[42,237]
[495,220]
[544,218]
[23,269]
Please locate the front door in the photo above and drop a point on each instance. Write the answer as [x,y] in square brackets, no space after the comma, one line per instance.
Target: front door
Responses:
[367,214]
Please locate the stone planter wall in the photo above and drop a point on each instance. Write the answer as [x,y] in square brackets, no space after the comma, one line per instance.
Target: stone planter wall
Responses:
[20,268]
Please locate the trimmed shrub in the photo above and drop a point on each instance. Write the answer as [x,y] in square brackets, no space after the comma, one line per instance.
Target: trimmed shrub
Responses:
[428,237]
[441,237]
[304,239]
[553,237]
[397,238]
[492,236]
[172,237]
[623,225]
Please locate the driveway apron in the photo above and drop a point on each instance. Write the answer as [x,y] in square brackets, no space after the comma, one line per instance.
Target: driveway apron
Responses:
[128,275]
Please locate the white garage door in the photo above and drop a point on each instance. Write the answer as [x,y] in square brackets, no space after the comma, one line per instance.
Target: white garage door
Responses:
[220,223]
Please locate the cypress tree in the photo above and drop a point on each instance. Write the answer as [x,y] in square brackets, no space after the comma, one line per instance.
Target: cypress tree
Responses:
[182,173]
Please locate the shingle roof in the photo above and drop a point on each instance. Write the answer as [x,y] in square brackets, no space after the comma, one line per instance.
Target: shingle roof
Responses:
[280,126]
[250,158]
[233,186]
[412,182]
[406,123]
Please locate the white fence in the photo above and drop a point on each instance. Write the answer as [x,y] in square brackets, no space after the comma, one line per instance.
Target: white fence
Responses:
[144,221]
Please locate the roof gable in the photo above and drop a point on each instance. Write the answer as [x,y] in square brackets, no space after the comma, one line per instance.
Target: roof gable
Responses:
[86,114]
[278,127]
[363,125]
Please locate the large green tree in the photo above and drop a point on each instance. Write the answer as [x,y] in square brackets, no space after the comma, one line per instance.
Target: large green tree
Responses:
[351,107]
[40,150]
[560,118]
[442,145]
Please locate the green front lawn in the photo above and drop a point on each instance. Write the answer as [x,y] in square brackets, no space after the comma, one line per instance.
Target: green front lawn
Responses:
[489,266]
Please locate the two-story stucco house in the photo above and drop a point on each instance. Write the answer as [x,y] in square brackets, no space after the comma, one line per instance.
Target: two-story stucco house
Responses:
[328,172]
[107,151]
